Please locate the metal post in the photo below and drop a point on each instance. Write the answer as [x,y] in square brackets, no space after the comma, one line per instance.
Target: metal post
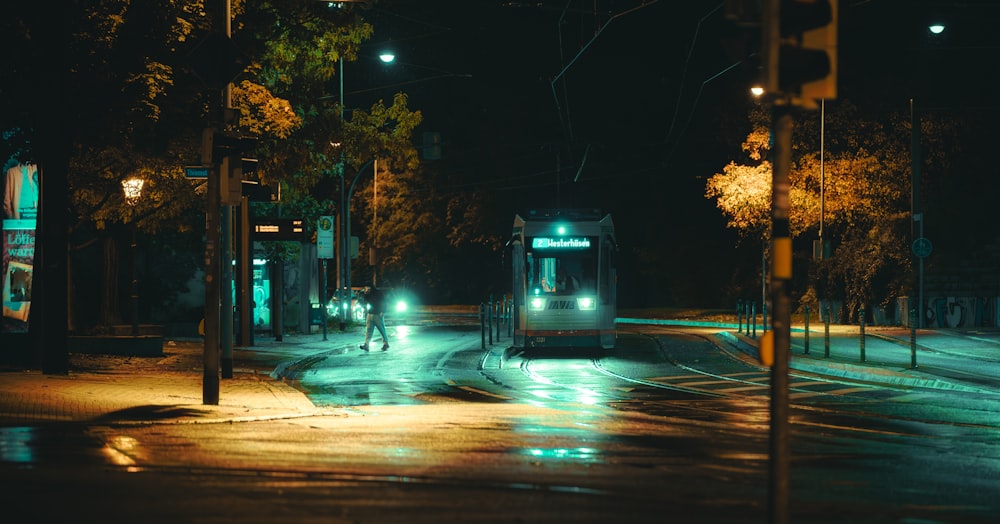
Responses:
[489,318]
[342,250]
[246,290]
[753,318]
[807,330]
[278,299]
[221,17]
[343,244]
[226,296]
[916,213]
[482,322]
[763,290]
[913,338]
[322,297]
[510,316]
[862,313]
[739,315]
[781,275]
[826,333]
[134,285]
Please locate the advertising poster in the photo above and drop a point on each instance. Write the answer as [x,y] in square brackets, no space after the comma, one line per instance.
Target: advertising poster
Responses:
[20,211]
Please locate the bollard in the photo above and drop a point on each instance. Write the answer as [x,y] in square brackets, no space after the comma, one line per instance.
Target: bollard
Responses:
[510,317]
[482,322]
[826,331]
[753,315]
[807,330]
[763,316]
[862,315]
[913,338]
[489,318]
[739,315]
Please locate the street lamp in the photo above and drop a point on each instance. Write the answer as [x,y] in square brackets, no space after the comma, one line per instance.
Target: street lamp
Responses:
[344,262]
[132,188]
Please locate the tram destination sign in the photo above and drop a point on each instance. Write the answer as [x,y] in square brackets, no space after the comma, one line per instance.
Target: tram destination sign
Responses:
[560,243]
[279,229]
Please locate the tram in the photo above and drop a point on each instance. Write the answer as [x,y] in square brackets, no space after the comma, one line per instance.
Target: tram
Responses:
[563,265]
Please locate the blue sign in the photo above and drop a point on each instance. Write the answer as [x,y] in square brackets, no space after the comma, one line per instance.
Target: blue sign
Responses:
[197,173]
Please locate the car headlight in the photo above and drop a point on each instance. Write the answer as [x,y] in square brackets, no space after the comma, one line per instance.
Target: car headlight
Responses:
[536,304]
[586,304]
[400,306]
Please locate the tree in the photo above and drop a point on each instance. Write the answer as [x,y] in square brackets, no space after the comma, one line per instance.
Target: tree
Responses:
[866,187]
[140,112]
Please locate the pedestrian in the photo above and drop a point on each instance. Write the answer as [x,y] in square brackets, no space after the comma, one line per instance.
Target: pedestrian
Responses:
[376,316]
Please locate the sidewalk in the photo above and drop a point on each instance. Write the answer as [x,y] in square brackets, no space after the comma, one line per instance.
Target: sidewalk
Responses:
[124,390]
[954,359]
[121,390]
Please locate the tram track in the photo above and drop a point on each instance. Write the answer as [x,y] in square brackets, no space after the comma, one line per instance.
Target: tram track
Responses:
[691,381]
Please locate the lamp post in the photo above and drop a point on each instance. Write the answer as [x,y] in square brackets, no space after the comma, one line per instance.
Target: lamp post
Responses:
[132,188]
[344,245]
[373,257]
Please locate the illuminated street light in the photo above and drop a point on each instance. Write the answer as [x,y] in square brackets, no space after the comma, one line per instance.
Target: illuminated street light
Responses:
[936,28]
[132,188]
[757,90]
[387,57]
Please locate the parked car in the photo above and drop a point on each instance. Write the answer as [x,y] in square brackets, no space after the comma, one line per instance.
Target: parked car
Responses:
[358,307]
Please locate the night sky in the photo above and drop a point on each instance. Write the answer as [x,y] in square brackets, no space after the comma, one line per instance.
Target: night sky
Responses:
[654,104]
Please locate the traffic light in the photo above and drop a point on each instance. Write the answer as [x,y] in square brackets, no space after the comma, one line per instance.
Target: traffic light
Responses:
[234,156]
[216,145]
[224,145]
[800,50]
[233,171]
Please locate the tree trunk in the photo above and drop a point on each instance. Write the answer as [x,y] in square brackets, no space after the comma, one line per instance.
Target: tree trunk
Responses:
[110,311]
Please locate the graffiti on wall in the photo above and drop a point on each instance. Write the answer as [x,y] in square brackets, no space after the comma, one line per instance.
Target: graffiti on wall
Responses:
[956,312]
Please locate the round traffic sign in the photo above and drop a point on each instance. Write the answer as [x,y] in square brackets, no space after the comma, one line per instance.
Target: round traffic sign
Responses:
[921,247]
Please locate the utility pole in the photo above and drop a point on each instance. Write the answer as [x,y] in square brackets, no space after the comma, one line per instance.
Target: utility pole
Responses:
[210,380]
[799,61]
[781,275]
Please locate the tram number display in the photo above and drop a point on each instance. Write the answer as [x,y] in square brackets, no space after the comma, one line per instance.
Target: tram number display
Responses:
[560,243]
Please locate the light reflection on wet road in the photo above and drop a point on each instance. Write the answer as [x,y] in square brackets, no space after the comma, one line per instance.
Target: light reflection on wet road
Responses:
[666,424]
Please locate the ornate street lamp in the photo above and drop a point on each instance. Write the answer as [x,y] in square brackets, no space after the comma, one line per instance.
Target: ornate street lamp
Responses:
[132,188]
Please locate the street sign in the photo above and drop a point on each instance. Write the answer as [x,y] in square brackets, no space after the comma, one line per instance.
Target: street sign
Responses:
[196,172]
[273,229]
[324,237]
[922,247]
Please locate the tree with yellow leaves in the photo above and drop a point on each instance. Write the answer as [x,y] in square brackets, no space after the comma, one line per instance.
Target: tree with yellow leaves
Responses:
[864,184]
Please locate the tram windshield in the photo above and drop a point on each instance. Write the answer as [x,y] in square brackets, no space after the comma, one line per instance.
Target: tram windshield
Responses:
[562,265]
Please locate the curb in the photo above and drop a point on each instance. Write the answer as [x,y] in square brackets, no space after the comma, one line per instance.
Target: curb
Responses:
[869,373]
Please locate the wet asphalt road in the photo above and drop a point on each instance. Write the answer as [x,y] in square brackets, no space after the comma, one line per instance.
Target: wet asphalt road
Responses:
[669,426]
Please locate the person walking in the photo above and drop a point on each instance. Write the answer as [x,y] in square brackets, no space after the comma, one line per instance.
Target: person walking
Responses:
[376,316]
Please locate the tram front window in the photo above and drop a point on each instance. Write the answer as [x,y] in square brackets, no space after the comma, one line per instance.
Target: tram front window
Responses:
[561,267]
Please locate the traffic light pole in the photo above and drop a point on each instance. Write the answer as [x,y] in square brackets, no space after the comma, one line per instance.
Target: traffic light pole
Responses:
[781,275]
[213,224]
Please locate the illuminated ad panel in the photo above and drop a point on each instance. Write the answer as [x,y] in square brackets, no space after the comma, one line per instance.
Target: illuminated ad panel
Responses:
[20,211]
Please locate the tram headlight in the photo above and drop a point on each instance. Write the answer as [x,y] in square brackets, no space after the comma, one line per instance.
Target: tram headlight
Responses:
[586,304]
[536,304]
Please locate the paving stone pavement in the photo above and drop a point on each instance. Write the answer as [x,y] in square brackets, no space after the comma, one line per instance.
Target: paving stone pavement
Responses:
[143,390]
